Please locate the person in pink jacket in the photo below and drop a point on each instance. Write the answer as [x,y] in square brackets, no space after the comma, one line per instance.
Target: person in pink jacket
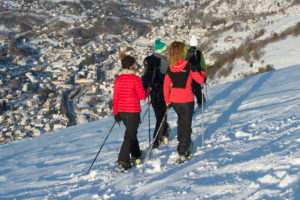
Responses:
[178,94]
[128,91]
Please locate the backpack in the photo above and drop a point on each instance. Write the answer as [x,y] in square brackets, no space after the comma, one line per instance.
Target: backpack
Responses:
[194,58]
[153,77]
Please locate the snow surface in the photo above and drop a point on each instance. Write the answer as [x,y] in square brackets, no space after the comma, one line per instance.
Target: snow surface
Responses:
[251,151]
[279,55]
[251,147]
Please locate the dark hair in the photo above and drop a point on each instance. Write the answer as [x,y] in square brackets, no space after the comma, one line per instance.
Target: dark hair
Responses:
[127,61]
[151,62]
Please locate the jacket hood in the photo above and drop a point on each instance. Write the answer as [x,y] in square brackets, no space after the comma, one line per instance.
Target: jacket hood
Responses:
[164,63]
[180,65]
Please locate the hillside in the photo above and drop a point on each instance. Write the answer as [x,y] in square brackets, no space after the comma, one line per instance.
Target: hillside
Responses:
[251,151]
[58,58]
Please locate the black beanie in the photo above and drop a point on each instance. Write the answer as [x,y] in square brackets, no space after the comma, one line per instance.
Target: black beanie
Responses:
[127,62]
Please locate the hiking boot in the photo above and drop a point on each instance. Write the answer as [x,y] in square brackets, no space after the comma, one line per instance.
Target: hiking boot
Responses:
[183,158]
[188,155]
[122,166]
[136,160]
[142,153]
[180,159]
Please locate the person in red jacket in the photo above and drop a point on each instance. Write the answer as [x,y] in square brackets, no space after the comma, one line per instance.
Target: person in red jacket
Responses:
[128,91]
[178,94]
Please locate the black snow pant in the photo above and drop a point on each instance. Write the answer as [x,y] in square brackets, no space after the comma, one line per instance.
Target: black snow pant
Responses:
[184,130]
[197,91]
[160,108]
[130,144]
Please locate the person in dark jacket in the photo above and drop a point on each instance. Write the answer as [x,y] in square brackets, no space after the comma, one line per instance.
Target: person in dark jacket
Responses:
[153,79]
[178,94]
[160,52]
[128,91]
[196,58]
[156,67]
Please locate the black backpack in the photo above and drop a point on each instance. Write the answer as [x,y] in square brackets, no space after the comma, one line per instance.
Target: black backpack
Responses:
[194,58]
[152,77]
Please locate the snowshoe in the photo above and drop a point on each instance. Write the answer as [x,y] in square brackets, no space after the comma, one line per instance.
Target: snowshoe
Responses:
[180,159]
[187,156]
[123,166]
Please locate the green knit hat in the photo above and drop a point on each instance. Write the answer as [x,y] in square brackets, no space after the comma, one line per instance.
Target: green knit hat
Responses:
[159,47]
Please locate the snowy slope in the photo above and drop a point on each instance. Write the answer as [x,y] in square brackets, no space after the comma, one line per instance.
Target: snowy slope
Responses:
[251,151]
[279,54]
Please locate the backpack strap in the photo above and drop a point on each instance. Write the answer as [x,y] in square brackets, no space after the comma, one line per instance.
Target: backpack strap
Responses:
[198,56]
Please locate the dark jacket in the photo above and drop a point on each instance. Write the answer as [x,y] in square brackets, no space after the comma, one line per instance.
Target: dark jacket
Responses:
[195,57]
[153,78]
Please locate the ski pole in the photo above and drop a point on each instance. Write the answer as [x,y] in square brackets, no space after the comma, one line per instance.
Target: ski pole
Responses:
[101,147]
[206,91]
[145,113]
[202,119]
[156,135]
[149,124]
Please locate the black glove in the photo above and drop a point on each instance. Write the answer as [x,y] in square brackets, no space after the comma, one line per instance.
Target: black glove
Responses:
[117,118]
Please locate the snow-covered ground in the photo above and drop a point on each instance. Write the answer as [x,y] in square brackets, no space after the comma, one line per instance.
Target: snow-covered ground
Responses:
[279,55]
[251,151]
[251,147]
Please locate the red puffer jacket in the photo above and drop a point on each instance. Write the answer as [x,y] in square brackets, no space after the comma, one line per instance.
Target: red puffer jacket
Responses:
[128,91]
[179,79]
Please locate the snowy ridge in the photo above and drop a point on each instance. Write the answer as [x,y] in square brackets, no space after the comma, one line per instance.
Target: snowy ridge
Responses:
[251,152]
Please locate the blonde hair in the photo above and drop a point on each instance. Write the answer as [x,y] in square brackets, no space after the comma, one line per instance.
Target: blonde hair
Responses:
[175,52]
